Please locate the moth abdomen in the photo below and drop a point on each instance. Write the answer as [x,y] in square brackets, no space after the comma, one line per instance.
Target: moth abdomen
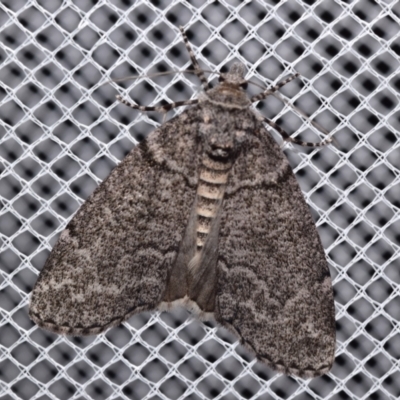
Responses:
[206,208]
[216,165]
[210,190]
[204,224]
[213,178]
[206,211]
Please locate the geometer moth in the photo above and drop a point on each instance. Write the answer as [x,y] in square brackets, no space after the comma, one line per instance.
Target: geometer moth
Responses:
[205,213]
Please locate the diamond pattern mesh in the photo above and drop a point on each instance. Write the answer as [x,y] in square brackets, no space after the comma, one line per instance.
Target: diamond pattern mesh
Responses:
[62,132]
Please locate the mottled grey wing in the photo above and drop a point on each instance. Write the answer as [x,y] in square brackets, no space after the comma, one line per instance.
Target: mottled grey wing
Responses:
[274,286]
[114,257]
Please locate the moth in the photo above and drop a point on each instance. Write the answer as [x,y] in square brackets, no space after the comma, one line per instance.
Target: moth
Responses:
[205,213]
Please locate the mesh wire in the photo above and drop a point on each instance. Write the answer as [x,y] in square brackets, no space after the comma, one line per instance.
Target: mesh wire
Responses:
[62,132]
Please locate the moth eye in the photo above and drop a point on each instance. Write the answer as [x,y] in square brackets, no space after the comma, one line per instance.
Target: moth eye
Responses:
[221,78]
[244,85]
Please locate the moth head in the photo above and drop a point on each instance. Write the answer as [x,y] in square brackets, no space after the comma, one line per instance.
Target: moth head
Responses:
[235,77]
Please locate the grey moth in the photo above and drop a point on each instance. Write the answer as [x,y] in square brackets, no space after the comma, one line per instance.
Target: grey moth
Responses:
[205,213]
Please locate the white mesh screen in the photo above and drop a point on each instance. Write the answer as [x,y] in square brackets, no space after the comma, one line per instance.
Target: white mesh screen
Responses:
[62,132]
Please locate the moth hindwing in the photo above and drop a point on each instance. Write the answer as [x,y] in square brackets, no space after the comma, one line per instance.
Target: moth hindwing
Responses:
[206,213]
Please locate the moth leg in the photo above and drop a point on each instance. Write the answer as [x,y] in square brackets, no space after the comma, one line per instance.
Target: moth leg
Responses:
[286,136]
[263,95]
[162,109]
[197,70]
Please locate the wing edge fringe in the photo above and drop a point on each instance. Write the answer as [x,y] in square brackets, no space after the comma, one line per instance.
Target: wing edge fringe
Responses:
[283,369]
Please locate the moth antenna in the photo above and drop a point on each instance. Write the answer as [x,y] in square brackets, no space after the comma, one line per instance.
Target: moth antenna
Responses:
[274,92]
[135,77]
[198,70]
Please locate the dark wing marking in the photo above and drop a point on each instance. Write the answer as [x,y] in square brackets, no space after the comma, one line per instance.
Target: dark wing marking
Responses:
[114,257]
[274,287]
